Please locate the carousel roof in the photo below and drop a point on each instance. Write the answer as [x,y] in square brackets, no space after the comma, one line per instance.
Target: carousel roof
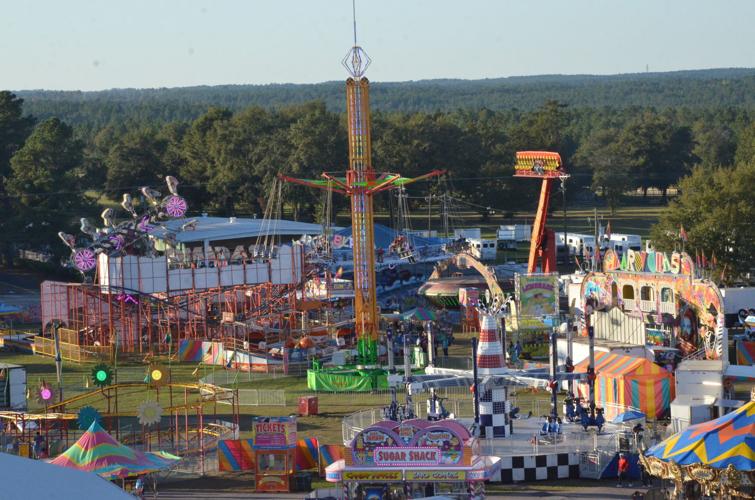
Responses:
[728,440]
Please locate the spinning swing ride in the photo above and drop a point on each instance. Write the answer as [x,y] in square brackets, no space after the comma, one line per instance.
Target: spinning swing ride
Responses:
[361,184]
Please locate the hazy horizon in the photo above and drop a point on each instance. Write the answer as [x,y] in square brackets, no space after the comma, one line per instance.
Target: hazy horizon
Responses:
[85,45]
[564,75]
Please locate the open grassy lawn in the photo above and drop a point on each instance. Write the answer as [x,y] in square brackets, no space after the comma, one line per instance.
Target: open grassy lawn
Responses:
[636,217]
[326,426]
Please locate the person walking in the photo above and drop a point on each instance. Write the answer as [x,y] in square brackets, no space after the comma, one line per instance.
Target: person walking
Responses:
[623,468]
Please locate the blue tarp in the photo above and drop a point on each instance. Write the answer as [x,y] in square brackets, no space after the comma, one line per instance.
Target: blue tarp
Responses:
[384,236]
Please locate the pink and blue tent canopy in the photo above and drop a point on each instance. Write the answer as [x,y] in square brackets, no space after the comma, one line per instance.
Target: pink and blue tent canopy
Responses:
[99,452]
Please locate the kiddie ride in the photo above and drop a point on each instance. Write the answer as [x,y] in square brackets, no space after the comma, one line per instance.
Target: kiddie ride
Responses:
[575,412]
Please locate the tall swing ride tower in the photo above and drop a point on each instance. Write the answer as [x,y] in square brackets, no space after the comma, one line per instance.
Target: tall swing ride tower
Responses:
[361,184]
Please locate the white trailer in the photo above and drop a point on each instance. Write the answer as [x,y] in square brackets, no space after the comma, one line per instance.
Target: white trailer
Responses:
[482,249]
[12,387]
[514,232]
[473,233]
[577,242]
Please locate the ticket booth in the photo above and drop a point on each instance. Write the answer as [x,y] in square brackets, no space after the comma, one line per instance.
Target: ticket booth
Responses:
[274,445]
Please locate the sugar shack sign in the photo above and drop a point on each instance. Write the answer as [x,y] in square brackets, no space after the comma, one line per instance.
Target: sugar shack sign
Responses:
[407,456]
[649,262]
[410,443]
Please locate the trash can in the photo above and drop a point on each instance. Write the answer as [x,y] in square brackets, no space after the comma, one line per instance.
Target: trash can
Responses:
[308,405]
[302,481]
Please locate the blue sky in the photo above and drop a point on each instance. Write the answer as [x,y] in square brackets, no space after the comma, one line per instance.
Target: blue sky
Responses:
[87,45]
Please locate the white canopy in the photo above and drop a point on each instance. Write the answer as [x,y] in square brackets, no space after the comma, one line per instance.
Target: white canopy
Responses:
[25,479]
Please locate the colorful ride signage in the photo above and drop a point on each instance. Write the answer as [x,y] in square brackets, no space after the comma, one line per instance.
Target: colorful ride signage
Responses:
[541,164]
[274,432]
[537,295]
[410,456]
[649,262]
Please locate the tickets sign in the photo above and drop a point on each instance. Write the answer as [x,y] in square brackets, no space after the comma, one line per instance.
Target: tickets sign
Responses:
[274,432]
[398,456]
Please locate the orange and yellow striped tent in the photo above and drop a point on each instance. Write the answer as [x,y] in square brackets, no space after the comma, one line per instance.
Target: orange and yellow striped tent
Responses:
[629,381]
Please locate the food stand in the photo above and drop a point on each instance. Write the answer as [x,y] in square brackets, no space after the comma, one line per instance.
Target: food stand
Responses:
[274,446]
[413,458]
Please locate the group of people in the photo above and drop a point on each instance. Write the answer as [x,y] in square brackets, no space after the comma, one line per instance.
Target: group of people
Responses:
[576,411]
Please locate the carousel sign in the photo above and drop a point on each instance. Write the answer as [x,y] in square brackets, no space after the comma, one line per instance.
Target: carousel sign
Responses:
[649,262]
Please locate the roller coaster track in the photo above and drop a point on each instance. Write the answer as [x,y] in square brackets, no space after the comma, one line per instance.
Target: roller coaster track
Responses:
[208,394]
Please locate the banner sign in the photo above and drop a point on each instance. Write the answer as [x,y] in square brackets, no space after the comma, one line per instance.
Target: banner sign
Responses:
[649,262]
[436,475]
[274,432]
[372,475]
[410,443]
[397,456]
[536,295]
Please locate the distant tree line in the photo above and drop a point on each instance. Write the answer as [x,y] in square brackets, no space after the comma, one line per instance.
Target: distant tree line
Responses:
[52,173]
[700,89]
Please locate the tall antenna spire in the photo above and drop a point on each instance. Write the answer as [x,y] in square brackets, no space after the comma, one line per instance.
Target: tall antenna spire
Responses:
[356,60]
[354,18]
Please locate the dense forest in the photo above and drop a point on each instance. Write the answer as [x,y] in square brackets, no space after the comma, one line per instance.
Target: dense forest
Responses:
[715,88]
[62,155]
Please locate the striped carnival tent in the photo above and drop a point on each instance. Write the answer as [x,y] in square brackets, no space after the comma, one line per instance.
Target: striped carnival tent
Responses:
[235,455]
[630,382]
[719,443]
[99,452]
[307,454]
[745,353]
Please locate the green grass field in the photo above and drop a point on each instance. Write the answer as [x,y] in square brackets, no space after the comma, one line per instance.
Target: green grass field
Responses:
[326,426]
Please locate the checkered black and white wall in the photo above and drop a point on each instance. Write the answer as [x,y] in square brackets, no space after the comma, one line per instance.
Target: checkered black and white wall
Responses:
[538,468]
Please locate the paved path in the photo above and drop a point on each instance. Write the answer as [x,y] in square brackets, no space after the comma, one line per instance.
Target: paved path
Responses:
[603,490]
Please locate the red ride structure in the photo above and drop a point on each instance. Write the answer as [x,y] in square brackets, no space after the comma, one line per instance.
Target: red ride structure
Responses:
[547,166]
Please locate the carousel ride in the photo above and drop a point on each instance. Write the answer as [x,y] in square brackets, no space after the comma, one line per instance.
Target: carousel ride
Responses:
[714,458]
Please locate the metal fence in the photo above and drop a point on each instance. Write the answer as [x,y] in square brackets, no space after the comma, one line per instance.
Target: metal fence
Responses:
[254,397]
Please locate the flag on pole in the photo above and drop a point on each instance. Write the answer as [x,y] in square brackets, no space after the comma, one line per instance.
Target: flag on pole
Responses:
[713,260]
[608,230]
[704,260]
[682,233]
[697,258]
